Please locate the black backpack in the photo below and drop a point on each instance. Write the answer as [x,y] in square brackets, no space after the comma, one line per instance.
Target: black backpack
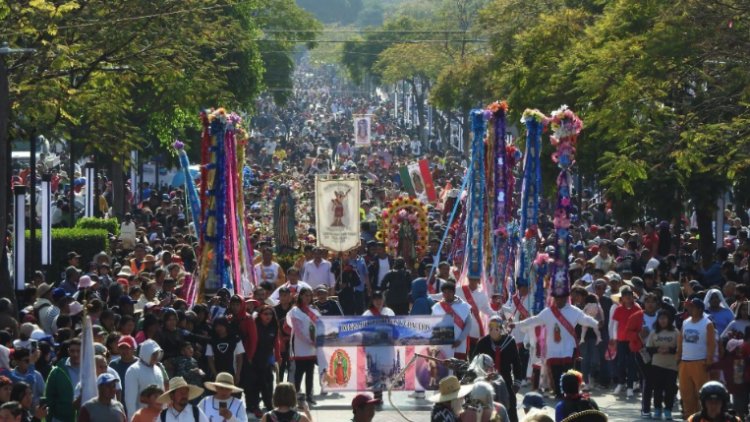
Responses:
[163,414]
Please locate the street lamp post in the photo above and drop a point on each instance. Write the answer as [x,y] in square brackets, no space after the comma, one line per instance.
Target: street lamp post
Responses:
[6,171]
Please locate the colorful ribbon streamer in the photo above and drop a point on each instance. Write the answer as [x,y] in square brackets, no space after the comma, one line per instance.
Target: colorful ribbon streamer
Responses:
[475,217]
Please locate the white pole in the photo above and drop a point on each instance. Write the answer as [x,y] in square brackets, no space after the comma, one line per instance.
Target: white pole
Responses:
[90,170]
[134,184]
[46,199]
[19,236]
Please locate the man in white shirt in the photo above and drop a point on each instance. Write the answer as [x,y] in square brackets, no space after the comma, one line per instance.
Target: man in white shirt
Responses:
[268,270]
[460,312]
[318,271]
[478,302]
[517,310]
[293,284]
[178,398]
[559,321]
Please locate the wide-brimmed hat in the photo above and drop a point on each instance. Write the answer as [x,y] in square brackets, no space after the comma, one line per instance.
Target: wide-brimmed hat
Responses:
[43,289]
[175,384]
[450,389]
[75,308]
[124,272]
[223,380]
[587,416]
[149,258]
[85,282]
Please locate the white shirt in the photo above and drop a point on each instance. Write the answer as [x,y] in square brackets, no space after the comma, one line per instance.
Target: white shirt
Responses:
[293,289]
[565,347]
[511,312]
[185,416]
[320,274]
[384,265]
[210,406]
[483,306]
[463,310]
[385,311]
[268,273]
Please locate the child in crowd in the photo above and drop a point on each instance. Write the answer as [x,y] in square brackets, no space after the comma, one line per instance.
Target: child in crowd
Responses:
[187,367]
[594,310]
[148,397]
[662,344]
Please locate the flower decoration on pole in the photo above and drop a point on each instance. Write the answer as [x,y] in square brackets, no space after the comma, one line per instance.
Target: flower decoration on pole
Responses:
[566,126]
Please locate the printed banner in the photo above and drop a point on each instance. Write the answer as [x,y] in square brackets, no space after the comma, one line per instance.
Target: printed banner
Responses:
[417,180]
[337,217]
[362,130]
[367,353]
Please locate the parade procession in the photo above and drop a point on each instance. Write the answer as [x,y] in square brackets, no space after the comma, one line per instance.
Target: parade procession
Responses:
[374,210]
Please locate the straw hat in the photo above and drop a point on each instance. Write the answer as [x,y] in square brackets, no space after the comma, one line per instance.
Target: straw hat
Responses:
[587,416]
[43,289]
[175,384]
[223,380]
[124,272]
[450,389]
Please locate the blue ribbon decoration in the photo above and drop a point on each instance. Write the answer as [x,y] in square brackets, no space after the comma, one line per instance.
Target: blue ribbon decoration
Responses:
[529,199]
[475,217]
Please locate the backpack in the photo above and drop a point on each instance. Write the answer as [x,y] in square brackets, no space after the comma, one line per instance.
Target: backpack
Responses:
[196,418]
[273,417]
[37,310]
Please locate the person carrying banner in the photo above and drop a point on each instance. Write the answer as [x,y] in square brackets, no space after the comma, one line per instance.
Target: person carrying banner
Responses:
[460,312]
[303,319]
[478,302]
[559,321]
[378,308]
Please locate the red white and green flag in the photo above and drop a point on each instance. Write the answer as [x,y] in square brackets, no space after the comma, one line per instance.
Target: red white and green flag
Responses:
[417,180]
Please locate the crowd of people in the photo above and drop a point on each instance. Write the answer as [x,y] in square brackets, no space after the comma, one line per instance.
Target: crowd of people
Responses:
[644,320]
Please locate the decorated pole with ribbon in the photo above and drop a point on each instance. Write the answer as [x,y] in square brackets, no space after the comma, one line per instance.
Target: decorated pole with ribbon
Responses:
[496,113]
[475,216]
[566,127]
[532,180]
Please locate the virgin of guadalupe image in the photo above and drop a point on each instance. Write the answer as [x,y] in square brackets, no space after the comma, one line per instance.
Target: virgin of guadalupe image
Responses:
[362,129]
[416,180]
[337,203]
[341,369]
[284,220]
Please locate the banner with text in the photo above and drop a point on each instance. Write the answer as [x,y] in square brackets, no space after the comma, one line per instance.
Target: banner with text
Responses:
[357,353]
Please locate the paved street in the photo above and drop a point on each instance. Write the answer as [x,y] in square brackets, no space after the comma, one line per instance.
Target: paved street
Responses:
[337,408]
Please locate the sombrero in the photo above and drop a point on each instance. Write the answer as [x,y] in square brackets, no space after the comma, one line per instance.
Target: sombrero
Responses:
[450,389]
[175,384]
[223,380]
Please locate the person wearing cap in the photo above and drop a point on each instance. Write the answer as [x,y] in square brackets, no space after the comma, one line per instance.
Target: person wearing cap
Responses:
[24,371]
[449,400]
[559,321]
[363,407]
[126,346]
[459,313]
[70,284]
[325,305]
[105,406]
[177,398]
[378,308]
[618,335]
[603,260]
[268,269]
[222,405]
[696,347]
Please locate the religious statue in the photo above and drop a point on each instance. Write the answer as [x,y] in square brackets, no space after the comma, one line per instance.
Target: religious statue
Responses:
[284,220]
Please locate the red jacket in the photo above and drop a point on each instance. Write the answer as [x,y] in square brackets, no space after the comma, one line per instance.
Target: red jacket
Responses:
[245,325]
[633,331]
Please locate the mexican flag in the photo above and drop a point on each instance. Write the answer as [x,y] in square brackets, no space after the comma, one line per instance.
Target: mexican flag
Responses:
[417,180]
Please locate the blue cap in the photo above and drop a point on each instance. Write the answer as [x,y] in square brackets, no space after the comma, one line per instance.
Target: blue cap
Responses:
[59,293]
[533,399]
[696,301]
[105,378]
[124,299]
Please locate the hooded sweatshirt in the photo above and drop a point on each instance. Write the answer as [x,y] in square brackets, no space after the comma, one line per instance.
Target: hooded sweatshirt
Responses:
[421,303]
[59,393]
[245,326]
[140,375]
[721,317]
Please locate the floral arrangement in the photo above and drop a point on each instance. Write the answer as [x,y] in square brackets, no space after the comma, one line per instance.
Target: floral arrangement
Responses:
[564,123]
[404,210]
[534,114]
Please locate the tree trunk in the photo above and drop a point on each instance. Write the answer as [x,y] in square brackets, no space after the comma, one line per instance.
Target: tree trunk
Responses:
[118,190]
[704,215]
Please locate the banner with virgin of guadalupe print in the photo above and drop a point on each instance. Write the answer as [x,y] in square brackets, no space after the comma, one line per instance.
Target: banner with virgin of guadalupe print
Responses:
[362,130]
[357,353]
[337,212]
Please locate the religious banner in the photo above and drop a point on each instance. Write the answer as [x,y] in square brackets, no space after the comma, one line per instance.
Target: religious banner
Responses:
[362,130]
[337,218]
[357,353]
